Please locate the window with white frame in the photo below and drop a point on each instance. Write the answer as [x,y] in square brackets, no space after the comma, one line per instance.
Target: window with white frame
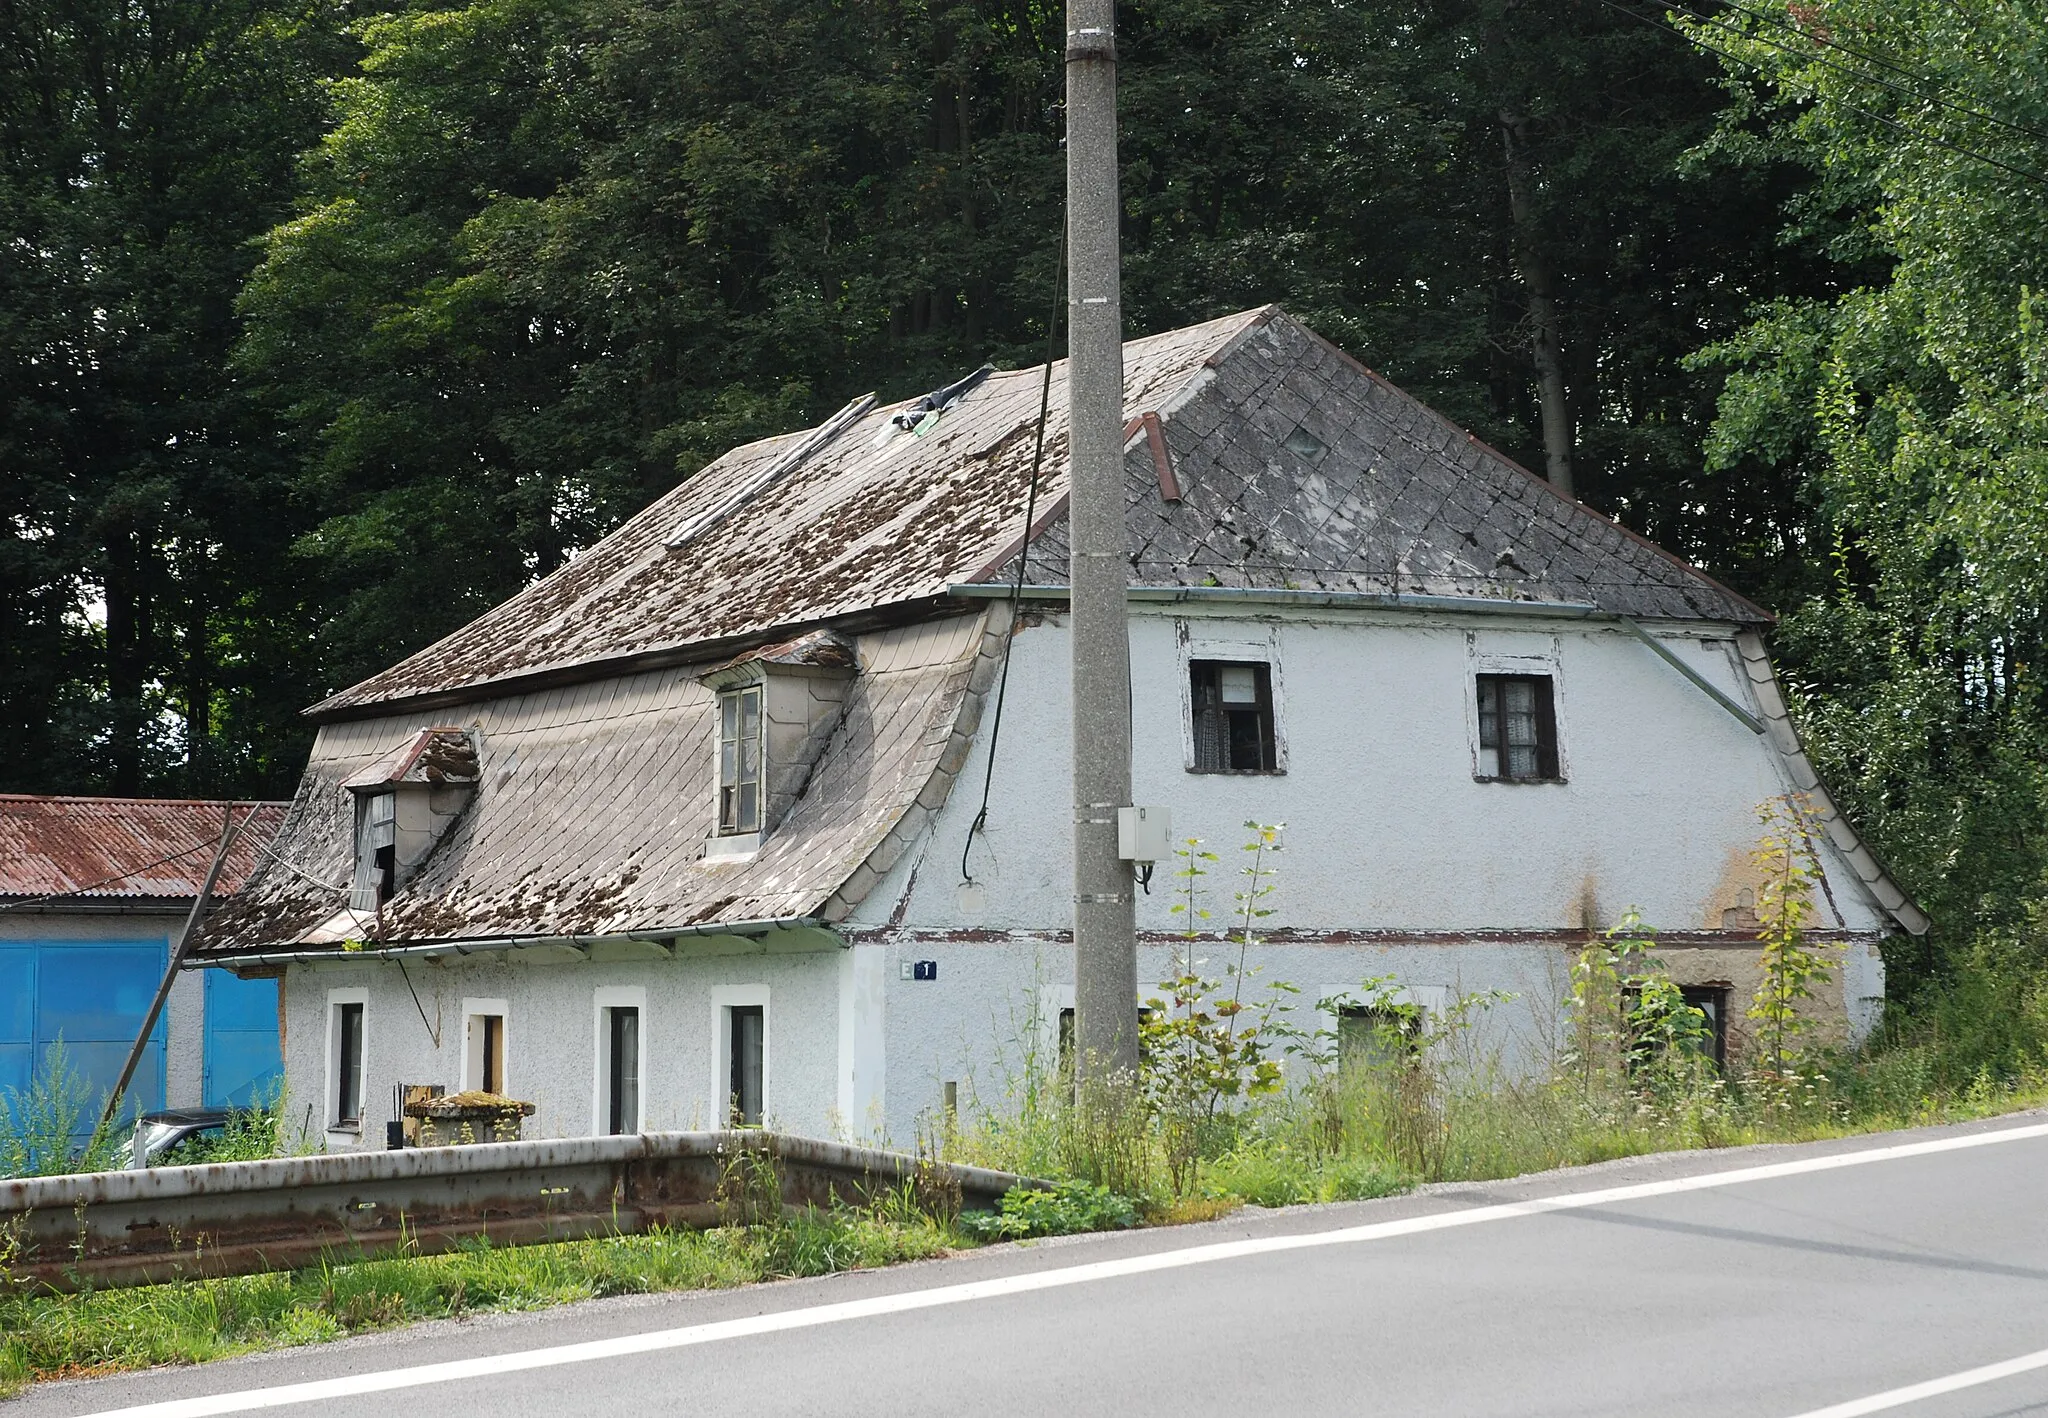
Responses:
[483,1045]
[620,1091]
[1517,728]
[1232,705]
[743,1058]
[739,761]
[347,1019]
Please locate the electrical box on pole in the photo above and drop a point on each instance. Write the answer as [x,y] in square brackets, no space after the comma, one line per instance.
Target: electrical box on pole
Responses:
[1144,834]
[1105,921]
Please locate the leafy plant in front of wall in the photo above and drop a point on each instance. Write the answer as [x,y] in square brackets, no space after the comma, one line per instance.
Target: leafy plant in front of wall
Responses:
[1067,1209]
[52,1125]
[1791,971]
[1631,1027]
[1200,1041]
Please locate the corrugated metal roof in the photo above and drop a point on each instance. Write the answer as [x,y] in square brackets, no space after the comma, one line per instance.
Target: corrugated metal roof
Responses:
[870,517]
[123,848]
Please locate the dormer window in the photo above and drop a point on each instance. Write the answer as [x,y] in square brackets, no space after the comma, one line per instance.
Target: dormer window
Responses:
[405,803]
[376,851]
[775,709]
[739,761]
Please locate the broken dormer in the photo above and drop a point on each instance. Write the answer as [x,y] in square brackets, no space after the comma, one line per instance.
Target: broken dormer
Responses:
[405,803]
[777,708]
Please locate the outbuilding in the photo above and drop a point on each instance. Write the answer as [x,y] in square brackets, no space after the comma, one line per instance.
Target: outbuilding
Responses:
[93,891]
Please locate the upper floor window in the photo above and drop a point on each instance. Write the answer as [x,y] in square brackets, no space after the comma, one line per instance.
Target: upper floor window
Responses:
[1232,702]
[1517,728]
[739,760]
[376,851]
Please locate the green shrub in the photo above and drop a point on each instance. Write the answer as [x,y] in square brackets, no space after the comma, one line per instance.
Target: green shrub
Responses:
[1068,1209]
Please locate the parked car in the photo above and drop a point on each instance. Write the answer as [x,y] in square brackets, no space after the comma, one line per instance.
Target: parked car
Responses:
[157,1133]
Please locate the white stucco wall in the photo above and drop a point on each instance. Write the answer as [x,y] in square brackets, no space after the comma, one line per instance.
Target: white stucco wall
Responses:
[551,1039]
[1386,826]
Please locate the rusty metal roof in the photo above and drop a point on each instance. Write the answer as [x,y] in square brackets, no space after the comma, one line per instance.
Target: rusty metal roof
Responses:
[109,849]
[857,515]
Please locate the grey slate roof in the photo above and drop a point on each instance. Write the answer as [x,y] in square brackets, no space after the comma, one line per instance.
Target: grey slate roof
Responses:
[593,728]
[594,802]
[1403,500]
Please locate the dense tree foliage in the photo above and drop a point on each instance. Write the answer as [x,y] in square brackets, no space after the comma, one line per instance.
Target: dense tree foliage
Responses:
[1914,408]
[269,427]
[141,148]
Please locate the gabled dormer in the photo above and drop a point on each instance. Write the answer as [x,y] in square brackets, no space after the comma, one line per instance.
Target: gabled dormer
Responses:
[405,803]
[777,708]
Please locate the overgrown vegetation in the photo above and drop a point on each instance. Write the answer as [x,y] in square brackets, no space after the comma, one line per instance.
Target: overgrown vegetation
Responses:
[1391,1094]
[53,1124]
[52,1336]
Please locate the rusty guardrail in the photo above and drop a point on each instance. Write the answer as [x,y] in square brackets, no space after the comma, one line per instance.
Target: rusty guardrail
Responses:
[232,1218]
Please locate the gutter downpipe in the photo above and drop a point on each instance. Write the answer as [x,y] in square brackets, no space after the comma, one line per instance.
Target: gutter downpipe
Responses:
[1471,605]
[484,944]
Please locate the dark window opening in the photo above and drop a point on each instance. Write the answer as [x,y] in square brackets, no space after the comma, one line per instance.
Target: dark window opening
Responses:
[1372,1038]
[1517,729]
[348,1092]
[622,1087]
[1233,712]
[493,1053]
[1712,1001]
[749,1037]
[376,874]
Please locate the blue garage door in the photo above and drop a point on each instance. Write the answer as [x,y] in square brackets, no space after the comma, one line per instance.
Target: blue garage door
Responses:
[92,996]
[242,1059]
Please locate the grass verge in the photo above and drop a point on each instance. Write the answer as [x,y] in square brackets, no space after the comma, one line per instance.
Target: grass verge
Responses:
[186,1322]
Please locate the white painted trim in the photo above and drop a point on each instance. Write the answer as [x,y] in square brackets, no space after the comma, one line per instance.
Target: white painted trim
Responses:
[1193,641]
[603,998]
[1548,662]
[723,999]
[1028,1282]
[471,1072]
[331,1091]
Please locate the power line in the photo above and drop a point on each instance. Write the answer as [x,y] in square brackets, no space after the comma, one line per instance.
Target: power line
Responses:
[1860,75]
[1820,97]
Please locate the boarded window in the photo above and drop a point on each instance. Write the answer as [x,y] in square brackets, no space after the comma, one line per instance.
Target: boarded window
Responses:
[1517,729]
[376,851]
[739,761]
[1232,702]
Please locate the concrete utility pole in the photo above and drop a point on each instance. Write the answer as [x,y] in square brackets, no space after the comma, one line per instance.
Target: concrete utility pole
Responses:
[1105,921]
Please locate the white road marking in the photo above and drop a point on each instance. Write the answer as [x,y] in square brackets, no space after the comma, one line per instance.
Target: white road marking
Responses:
[455,1371]
[1933,1388]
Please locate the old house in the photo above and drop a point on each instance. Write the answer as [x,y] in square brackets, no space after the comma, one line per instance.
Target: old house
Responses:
[92,893]
[696,826]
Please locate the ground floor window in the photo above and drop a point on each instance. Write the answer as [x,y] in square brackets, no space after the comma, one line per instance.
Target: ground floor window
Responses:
[1371,1038]
[621,1050]
[747,1029]
[347,1010]
[622,1081]
[1712,1001]
[483,1061]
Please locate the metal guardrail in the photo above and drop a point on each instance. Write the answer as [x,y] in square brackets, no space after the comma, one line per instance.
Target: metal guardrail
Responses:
[234,1218]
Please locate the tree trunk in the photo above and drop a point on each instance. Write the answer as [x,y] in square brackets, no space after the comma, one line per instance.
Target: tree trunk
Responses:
[1541,284]
[125,613]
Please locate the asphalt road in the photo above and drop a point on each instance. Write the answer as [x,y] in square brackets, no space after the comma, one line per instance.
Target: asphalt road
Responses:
[1697,1289]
